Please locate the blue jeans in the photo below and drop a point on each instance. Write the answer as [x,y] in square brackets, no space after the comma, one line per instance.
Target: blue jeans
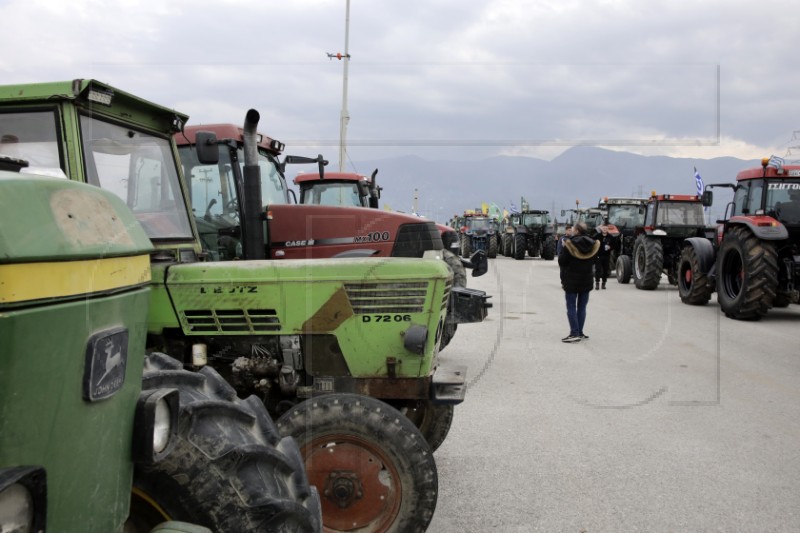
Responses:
[576,311]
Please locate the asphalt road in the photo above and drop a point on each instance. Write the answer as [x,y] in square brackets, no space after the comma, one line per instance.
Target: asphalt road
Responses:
[670,418]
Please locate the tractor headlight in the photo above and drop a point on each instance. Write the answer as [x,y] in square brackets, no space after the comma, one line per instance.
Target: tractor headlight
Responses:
[23,499]
[155,425]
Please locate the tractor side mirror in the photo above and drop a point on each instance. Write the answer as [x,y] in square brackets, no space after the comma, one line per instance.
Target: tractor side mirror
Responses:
[708,198]
[206,146]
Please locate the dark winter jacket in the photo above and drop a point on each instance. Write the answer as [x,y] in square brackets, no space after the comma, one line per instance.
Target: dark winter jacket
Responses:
[576,260]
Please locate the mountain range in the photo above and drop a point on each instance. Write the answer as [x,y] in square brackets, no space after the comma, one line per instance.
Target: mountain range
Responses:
[583,174]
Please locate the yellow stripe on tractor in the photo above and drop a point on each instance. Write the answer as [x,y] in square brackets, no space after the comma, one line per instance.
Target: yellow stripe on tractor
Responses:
[22,282]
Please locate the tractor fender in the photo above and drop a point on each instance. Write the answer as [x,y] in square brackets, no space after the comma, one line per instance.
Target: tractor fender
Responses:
[763,227]
[705,252]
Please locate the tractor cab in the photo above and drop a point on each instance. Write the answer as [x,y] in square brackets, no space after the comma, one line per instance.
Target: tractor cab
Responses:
[675,215]
[338,188]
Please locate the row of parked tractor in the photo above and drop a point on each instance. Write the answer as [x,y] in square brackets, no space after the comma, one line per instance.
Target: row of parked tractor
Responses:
[750,257]
[303,388]
[528,232]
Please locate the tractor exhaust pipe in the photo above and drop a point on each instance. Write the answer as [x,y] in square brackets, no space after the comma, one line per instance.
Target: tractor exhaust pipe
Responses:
[253,223]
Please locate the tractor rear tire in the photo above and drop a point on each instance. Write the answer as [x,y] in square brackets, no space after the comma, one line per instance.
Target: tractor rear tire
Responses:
[492,251]
[508,245]
[549,248]
[432,419]
[648,262]
[459,280]
[624,269]
[373,467]
[693,285]
[230,469]
[747,275]
[466,247]
[520,242]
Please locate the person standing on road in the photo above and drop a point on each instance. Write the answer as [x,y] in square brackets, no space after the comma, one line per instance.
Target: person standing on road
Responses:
[562,238]
[601,266]
[576,261]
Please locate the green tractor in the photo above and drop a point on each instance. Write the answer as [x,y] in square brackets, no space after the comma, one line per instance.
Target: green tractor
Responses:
[336,349]
[531,231]
[86,418]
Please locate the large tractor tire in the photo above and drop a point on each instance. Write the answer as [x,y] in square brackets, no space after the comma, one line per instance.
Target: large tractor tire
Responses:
[648,262]
[374,469]
[466,247]
[693,285]
[230,469]
[747,275]
[459,280]
[433,420]
[508,245]
[624,269]
[491,252]
[549,248]
[520,243]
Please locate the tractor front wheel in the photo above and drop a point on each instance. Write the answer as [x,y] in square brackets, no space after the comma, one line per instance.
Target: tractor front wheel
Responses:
[624,269]
[693,285]
[230,470]
[747,275]
[520,243]
[648,262]
[492,251]
[432,419]
[372,466]
[466,246]
[549,248]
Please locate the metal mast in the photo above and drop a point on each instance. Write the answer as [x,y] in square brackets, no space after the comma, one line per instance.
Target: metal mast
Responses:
[345,116]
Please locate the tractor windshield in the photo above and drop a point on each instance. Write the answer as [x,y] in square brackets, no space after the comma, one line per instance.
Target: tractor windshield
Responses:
[783,200]
[332,193]
[141,169]
[534,219]
[680,214]
[479,224]
[625,216]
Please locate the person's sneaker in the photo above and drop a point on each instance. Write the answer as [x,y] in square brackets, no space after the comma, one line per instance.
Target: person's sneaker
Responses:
[584,336]
[604,284]
[596,284]
[571,338]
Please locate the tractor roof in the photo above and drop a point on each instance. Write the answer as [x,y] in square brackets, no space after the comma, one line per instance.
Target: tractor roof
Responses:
[534,212]
[226,131]
[623,201]
[787,171]
[329,176]
[676,197]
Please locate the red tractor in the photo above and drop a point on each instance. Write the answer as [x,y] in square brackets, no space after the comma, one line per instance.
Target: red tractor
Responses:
[754,260]
[669,220]
[304,231]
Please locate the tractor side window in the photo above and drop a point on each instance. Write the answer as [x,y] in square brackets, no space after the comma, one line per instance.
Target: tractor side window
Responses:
[740,198]
[755,196]
[650,216]
[140,169]
[32,136]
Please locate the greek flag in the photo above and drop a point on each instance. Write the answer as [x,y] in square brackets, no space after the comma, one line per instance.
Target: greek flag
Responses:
[513,208]
[699,181]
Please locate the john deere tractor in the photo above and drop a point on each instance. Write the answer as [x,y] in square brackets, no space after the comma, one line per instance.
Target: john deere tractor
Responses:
[93,434]
[336,349]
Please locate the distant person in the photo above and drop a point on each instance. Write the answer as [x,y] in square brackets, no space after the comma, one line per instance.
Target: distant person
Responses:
[601,263]
[576,261]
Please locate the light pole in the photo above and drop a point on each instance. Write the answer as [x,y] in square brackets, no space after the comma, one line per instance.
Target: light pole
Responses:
[345,116]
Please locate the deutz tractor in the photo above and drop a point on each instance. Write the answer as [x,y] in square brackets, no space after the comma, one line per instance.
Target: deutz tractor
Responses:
[339,228]
[530,231]
[669,220]
[87,420]
[624,215]
[753,261]
[331,346]
[478,233]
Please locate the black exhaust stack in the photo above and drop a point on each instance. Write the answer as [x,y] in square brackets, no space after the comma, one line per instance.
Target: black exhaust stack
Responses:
[252,210]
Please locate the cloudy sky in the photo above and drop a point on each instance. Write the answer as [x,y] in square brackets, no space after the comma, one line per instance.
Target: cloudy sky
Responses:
[441,79]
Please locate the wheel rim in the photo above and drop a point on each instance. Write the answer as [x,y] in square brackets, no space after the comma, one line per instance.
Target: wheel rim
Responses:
[685,275]
[732,273]
[359,486]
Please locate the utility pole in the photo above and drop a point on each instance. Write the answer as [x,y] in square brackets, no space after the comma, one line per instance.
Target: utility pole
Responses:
[345,116]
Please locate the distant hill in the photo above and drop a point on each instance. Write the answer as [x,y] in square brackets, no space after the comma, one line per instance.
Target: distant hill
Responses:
[581,173]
